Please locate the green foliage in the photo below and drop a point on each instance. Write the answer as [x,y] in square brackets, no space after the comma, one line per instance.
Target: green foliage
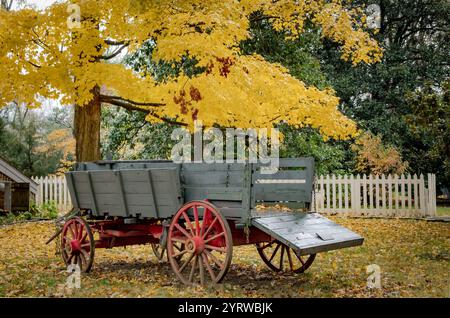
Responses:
[141,61]
[415,38]
[127,135]
[299,55]
[330,157]
[23,132]
[47,210]
[429,121]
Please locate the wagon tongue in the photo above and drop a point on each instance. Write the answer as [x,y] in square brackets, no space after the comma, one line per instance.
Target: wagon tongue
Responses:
[307,233]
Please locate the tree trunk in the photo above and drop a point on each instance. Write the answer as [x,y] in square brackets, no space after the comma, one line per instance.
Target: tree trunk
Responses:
[87,129]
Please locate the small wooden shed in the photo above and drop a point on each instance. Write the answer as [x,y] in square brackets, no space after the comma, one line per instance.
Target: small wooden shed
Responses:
[16,189]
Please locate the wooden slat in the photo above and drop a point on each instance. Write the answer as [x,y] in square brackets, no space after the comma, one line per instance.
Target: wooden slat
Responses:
[300,232]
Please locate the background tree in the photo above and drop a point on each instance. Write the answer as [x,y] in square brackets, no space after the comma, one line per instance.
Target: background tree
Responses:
[44,57]
[33,141]
[414,35]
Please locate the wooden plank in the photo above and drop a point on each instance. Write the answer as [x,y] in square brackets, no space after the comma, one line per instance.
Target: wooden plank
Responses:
[346,205]
[371,205]
[94,207]
[402,195]
[364,191]
[409,184]
[339,188]
[389,187]
[333,193]
[8,196]
[123,198]
[303,236]
[383,195]
[72,189]
[328,207]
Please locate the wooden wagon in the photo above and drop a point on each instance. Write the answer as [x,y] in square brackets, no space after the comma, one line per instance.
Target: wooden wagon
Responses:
[196,212]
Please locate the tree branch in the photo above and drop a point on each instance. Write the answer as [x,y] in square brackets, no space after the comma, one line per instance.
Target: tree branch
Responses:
[114,54]
[111,42]
[137,106]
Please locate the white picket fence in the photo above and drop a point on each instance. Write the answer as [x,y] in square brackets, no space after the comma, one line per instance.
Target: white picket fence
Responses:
[373,196]
[376,196]
[53,189]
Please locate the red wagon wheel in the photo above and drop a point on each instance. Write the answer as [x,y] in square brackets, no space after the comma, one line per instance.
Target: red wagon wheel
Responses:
[279,256]
[77,244]
[205,242]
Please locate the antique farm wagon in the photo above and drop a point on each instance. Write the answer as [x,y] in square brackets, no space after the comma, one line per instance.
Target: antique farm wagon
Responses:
[197,212]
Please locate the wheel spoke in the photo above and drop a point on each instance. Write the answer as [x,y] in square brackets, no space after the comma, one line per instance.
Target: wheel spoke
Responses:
[209,228]
[179,253]
[274,252]
[71,230]
[208,267]
[214,237]
[219,249]
[76,230]
[84,237]
[202,229]
[187,262]
[300,259]
[197,224]
[70,258]
[215,260]
[281,257]
[182,230]
[291,265]
[202,270]
[191,274]
[188,222]
[80,232]
[178,240]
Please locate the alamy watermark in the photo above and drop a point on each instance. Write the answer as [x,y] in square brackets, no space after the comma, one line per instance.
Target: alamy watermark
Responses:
[373,13]
[74,279]
[214,145]
[74,19]
[374,278]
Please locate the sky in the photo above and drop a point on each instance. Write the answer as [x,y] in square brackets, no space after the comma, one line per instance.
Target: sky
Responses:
[40,4]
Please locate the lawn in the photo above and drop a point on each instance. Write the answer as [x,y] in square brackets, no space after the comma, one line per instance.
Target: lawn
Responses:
[443,210]
[414,257]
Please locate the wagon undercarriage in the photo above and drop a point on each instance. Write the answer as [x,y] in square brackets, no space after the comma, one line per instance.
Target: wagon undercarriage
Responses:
[129,203]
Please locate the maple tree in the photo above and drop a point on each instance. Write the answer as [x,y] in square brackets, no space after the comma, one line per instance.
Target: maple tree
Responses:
[40,56]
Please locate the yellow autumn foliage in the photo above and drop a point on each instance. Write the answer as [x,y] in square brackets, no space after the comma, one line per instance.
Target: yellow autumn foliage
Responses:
[40,56]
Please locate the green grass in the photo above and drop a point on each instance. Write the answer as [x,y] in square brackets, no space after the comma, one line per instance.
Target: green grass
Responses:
[443,210]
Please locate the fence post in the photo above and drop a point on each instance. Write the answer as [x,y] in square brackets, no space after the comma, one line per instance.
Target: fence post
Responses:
[431,195]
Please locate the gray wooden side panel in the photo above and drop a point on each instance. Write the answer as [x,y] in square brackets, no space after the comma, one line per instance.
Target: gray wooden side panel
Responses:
[151,193]
[282,192]
[302,232]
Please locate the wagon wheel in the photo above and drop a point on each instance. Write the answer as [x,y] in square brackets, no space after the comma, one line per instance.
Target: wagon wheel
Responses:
[279,256]
[77,244]
[206,244]
[160,251]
